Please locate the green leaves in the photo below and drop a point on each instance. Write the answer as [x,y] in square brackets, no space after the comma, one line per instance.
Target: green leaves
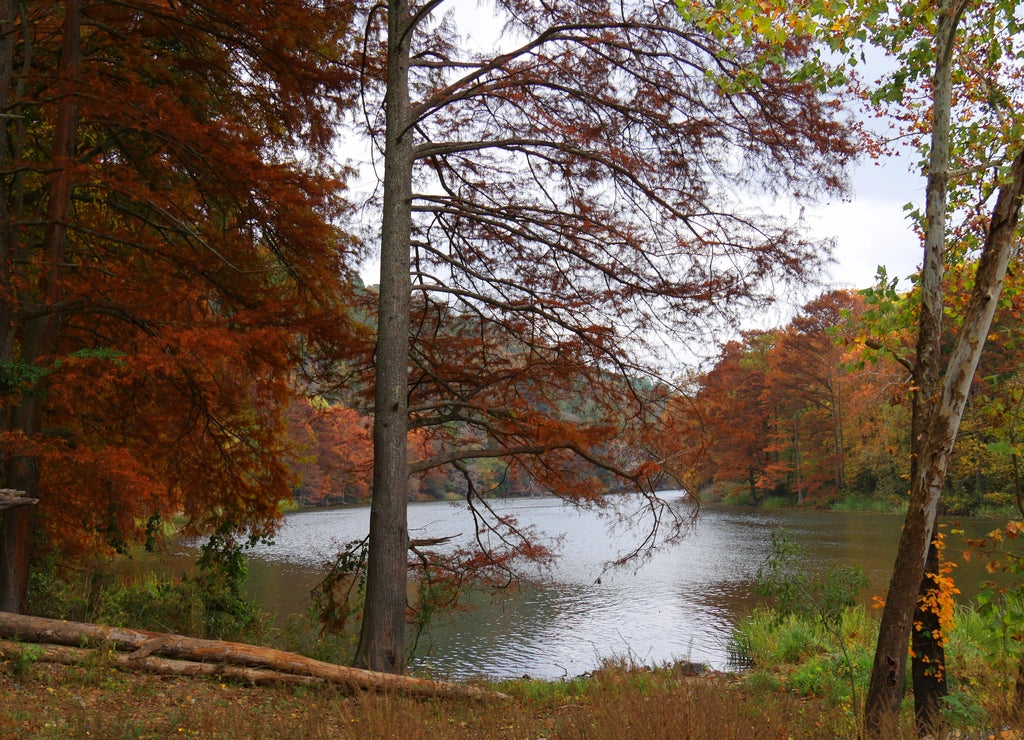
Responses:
[785,577]
[17,377]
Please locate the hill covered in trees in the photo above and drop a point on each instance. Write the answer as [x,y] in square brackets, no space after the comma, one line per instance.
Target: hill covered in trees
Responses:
[817,412]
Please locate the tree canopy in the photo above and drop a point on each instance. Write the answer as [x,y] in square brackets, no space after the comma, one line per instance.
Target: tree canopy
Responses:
[562,198]
[171,244]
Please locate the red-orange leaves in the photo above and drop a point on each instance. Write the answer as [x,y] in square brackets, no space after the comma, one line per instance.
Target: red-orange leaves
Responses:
[199,261]
[331,456]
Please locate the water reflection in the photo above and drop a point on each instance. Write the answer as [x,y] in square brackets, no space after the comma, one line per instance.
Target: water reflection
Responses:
[680,604]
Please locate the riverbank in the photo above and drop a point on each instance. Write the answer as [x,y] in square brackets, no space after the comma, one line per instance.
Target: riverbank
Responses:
[95,700]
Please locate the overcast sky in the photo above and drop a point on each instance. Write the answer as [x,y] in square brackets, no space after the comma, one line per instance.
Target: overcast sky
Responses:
[872,228]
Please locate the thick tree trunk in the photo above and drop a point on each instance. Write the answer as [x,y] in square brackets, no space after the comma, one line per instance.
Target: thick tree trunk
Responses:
[15,545]
[11,138]
[139,650]
[885,690]
[382,633]
[38,332]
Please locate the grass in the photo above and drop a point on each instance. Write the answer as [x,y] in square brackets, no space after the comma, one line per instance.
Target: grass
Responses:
[804,681]
[869,503]
[798,656]
[615,702]
[799,686]
[779,502]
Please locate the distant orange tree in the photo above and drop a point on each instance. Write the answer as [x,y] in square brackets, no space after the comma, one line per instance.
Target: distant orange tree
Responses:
[332,453]
[794,412]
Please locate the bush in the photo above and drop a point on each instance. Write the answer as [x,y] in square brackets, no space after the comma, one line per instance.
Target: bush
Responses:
[210,604]
[805,656]
[784,577]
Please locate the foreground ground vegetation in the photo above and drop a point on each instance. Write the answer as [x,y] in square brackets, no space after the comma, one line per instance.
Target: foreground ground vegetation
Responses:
[94,700]
[797,686]
[803,660]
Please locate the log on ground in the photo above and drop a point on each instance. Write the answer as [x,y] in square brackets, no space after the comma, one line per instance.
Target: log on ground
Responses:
[141,645]
[67,655]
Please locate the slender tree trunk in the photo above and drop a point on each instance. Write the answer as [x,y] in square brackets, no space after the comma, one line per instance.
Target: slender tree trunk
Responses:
[839,446]
[382,634]
[928,656]
[885,690]
[796,442]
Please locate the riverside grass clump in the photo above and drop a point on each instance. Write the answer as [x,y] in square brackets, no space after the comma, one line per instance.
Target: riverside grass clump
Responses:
[615,702]
[816,641]
[796,654]
[209,603]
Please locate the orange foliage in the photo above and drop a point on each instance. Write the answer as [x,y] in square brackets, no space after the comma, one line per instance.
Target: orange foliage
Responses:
[332,454]
[195,273]
[786,412]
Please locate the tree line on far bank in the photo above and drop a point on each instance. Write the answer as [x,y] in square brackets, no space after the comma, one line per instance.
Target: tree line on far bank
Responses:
[817,412]
[813,413]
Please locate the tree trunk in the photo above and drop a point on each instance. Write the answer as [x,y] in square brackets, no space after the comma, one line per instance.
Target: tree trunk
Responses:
[839,442]
[382,633]
[796,443]
[928,657]
[11,146]
[885,690]
[38,333]
[15,545]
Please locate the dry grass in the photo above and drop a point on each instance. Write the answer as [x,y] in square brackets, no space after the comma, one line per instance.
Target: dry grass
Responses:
[96,701]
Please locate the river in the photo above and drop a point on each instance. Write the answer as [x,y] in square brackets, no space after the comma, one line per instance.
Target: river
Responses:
[680,604]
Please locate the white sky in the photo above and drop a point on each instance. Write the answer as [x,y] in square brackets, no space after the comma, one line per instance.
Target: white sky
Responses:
[872,228]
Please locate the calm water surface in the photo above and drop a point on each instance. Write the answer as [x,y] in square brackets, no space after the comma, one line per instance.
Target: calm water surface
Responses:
[680,604]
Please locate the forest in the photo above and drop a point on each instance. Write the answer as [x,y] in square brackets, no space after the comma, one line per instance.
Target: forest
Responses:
[187,346]
[813,413]
[816,413]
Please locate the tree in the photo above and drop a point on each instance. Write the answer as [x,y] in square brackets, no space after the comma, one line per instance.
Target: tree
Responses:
[951,38]
[564,196]
[720,432]
[333,452]
[735,423]
[806,380]
[169,257]
[931,46]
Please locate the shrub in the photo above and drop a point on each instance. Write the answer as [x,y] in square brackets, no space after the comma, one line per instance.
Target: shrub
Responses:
[210,604]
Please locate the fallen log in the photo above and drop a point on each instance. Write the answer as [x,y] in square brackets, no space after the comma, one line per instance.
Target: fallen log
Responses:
[142,646]
[67,655]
